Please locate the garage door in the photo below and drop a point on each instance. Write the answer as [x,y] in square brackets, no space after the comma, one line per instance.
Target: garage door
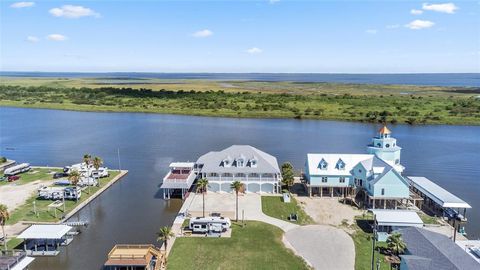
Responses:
[253,187]
[267,188]
[226,187]
[215,187]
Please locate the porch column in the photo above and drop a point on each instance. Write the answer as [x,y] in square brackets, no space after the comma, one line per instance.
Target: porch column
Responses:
[373,203]
[331,192]
[309,191]
[321,192]
[395,204]
[384,203]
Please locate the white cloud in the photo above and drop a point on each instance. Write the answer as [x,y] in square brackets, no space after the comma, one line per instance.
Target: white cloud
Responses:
[416,11]
[32,39]
[56,37]
[254,50]
[22,4]
[273,1]
[202,33]
[449,8]
[73,12]
[419,24]
[371,31]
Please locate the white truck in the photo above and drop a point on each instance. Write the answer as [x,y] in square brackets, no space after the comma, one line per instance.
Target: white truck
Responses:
[209,224]
[20,168]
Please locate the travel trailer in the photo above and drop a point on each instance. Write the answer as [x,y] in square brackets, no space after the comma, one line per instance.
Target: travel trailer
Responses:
[87,181]
[24,167]
[58,193]
[209,224]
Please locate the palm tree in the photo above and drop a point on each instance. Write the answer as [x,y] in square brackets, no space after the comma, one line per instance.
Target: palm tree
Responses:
[97,162]
[74,177]
[164,235]
[287,175]
[396,244]
[237,186]
[4,216]
[202,185]
[87,159]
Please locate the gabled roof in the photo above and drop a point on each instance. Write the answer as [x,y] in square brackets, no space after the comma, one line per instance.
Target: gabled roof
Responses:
[350,160]
[212,161]
[437,193]
[442,251]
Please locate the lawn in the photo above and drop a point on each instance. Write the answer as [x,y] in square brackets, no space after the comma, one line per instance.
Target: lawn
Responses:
[33,175]
[256,246]
[26,213]
[362,238]
[275,207]
[427,219]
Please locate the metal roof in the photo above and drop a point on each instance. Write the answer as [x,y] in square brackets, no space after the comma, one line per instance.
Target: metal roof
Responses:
[397,218]
[437,193]
[212,161]
[441,250]
[350,161]
[182,165]
[45,232]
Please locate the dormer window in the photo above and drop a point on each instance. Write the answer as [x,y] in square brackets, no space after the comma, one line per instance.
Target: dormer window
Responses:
[253,162]
[340,165]
[323,164]
[240,161]
[226,162]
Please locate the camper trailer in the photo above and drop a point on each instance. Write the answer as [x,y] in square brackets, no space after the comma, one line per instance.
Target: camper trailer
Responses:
[209,224]
[50,193]
[24,167]
[87,181]
[58,193]
[100,173]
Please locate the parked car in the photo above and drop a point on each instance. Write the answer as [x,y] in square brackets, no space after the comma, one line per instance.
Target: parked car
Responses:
[3,178]
[12,178]
[60,175]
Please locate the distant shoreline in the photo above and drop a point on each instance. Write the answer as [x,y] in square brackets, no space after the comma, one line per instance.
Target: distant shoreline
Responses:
[418,79]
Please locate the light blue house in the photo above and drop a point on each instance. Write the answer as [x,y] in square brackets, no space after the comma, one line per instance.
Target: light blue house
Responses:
[374,178]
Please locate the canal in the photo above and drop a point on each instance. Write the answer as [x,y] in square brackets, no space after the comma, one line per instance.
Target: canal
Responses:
[132,210]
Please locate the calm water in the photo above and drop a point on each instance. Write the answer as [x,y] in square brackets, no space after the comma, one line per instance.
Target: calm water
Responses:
[439,79]
[132,210]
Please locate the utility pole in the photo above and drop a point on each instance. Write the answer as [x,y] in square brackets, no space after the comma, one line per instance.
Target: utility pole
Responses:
[119,164]
[373,243]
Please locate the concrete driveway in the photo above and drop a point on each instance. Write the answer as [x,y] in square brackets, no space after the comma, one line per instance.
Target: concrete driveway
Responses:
[323,246]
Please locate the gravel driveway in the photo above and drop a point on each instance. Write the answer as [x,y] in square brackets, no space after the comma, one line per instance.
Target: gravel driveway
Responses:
[323,246]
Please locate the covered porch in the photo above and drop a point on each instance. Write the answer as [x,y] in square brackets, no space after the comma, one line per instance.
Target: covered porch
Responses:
[330,191]
[386,221]
[45,240]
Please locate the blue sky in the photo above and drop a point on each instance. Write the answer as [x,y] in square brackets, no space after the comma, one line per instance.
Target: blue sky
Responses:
[241,36]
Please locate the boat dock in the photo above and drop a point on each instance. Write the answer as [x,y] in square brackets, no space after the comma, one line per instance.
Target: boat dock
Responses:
[180,178]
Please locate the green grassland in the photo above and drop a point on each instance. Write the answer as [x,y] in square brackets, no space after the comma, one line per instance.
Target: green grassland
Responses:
[26,213]
[275,207]
[331,101]
[41,174]
[256,246]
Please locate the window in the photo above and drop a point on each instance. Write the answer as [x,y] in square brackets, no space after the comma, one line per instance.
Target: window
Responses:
[340,165]
[360,170]
[253,162]
[397,161]
[342,179]
[379,144]
[323,164]
[324,179]
[213,174]
[387,145]
[383,191]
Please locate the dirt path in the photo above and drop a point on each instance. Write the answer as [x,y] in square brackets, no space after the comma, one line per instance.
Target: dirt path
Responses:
[13,195]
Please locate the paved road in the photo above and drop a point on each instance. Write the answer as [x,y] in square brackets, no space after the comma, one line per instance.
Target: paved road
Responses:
[323,246]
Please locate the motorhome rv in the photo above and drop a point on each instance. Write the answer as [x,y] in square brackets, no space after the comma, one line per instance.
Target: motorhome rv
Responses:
[24,167]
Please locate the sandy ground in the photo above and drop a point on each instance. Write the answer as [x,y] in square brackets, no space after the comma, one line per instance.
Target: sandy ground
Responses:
[13,195]
[323,246]
[328,210]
